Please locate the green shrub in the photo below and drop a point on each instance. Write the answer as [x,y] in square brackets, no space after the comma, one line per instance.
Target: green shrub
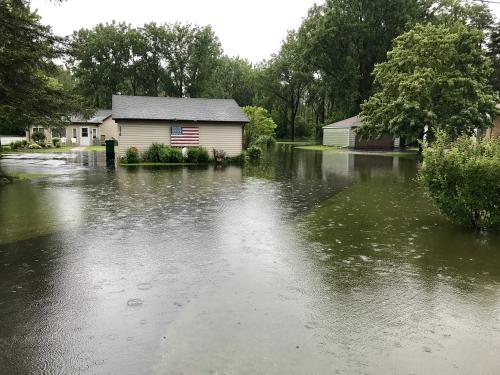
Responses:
[6,148]
[170,155]
[132,155]
[34,146]
[197,155]
[56,142]
[264,141]
[239,159]
[24,143]
[16,144]
[254,152]
[152,154]
[38,137]
[463,179]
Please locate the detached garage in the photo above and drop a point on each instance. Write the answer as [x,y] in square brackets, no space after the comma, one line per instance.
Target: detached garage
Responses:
[343,134]
[179,122]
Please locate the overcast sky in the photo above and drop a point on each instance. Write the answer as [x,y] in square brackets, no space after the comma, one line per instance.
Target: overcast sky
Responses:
[252,29]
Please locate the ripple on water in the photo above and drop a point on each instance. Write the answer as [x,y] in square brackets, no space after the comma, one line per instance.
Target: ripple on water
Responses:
[134,302]
[144,286]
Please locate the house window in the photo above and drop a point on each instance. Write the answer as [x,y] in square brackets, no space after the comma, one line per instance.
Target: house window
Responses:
[37,130]
[74,133]
[94,133]
[85,132]
[119,130]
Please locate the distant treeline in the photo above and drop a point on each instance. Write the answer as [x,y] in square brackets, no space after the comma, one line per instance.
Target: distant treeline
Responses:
[323,71]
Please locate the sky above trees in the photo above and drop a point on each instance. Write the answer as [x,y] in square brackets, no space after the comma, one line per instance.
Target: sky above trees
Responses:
[249,29]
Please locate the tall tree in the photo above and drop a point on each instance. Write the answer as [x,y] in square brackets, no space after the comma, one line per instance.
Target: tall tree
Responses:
[436,78]
[286,78]
[29,90]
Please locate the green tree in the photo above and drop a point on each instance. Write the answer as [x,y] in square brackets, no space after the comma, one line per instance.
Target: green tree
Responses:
[100,61]
[234,78]
[30,92]
[285,78]
[261,124]
[435,78]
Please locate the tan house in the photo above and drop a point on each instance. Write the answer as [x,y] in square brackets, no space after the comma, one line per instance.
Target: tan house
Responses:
[81,131]
[179,122]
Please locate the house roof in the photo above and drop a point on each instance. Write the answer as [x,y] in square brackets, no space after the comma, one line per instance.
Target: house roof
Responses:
[98,118]
[176,109]
[351,122]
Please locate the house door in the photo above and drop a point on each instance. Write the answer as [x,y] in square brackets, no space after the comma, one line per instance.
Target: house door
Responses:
[84,139]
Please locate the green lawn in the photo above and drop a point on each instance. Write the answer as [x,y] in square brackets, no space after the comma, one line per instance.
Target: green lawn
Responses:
[40,151]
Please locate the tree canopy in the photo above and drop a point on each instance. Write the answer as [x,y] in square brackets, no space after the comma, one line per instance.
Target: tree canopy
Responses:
[30,92]
[435,78]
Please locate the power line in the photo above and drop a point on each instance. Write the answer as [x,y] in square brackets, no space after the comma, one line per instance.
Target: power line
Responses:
[487,1]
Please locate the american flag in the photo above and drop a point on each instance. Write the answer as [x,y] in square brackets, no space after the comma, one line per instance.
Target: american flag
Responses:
[184,136]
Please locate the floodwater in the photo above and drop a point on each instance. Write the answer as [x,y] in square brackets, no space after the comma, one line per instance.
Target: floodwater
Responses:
[307,263]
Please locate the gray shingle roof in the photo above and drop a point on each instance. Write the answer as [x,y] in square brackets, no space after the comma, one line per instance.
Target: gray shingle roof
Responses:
[99,116]
[181,109]
[350,122]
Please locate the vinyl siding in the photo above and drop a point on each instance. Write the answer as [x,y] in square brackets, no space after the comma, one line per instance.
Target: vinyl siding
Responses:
[222,137]
[336,137]
[109,129]
[141,134]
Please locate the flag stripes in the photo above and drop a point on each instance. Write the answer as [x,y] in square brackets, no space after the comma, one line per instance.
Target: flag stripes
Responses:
[184,136]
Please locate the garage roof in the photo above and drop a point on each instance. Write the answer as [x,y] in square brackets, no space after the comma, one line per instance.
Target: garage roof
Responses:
[351,122]
[176,109]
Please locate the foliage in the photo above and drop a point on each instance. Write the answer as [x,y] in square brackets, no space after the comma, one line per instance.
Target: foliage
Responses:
[170,59]
[16,144]
[254,152]
[38,137]
[197,155]
[132,155]
[6,148]
[436,78]
[170,155]
[264,141]
[463,179]
[29,90]
[260,124]
[56,142]
[34,146]
[153,153]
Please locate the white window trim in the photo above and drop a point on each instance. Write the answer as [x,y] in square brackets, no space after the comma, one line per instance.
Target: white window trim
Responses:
[81,132]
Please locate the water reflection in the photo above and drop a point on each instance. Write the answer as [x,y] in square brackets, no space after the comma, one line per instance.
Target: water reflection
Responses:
[306,262]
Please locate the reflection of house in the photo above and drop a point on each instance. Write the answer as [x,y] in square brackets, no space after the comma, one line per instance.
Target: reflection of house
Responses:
[81,131]
[182,122]
[343,134]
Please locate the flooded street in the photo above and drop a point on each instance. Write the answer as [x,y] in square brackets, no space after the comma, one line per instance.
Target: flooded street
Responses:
[307,263]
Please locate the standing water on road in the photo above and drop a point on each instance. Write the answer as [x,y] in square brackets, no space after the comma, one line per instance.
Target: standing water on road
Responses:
[307,263]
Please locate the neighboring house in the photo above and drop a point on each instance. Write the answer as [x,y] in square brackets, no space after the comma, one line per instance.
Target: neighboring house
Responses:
[342,134]
[181,122]
[494,131]
[81,131]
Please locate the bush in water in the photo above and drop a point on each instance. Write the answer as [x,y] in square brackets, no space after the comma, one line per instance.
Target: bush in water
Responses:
[463,179]
[170,155]
[132,155]
[34,146]
[264,141]
[254,152]
[152,154]
[16,144]
[197,155]
[56,142]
